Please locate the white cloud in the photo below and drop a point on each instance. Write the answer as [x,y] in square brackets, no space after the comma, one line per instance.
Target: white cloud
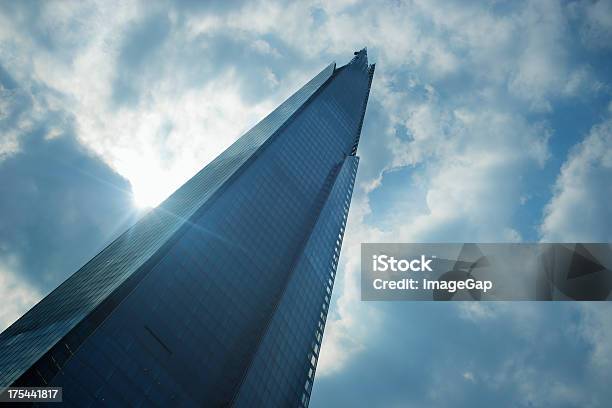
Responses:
[475,311]
[595,19]
[473,166]
[469,376]
[579,210]
[171,137]
[349,326]
[473,161]
[9,144]
[596,328]
[529,321]
[17,297]
[471,148]
[535,389]
[264,47]
[156,144]
[540,69]
[524,376]
[525,318]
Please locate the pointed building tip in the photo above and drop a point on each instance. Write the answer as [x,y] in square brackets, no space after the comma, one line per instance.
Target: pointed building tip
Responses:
[360,58]
[362,53]
[359,61]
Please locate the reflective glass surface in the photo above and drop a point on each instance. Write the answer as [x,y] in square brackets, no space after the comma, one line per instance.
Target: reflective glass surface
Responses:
[219,296]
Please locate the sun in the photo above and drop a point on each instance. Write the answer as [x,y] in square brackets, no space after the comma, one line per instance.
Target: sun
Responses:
[147,198]
[151,181]
[149,192]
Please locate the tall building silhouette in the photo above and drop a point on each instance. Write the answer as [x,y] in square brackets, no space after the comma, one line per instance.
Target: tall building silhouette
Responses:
[219,296]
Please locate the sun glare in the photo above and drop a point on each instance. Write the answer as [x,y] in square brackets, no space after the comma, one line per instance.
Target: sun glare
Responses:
[149,192]
[147,198]
[150,182]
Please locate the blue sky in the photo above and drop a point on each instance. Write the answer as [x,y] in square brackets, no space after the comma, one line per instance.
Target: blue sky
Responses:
[487,122]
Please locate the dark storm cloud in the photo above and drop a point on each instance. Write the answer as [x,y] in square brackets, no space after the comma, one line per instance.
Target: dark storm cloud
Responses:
[59,204]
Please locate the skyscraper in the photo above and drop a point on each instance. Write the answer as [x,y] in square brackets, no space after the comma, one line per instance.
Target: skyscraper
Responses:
[219,296]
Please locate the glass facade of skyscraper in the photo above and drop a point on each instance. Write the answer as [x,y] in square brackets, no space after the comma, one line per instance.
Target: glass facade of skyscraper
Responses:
[219,296]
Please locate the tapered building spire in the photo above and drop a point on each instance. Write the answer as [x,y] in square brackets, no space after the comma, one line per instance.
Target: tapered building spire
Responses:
[219,296]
